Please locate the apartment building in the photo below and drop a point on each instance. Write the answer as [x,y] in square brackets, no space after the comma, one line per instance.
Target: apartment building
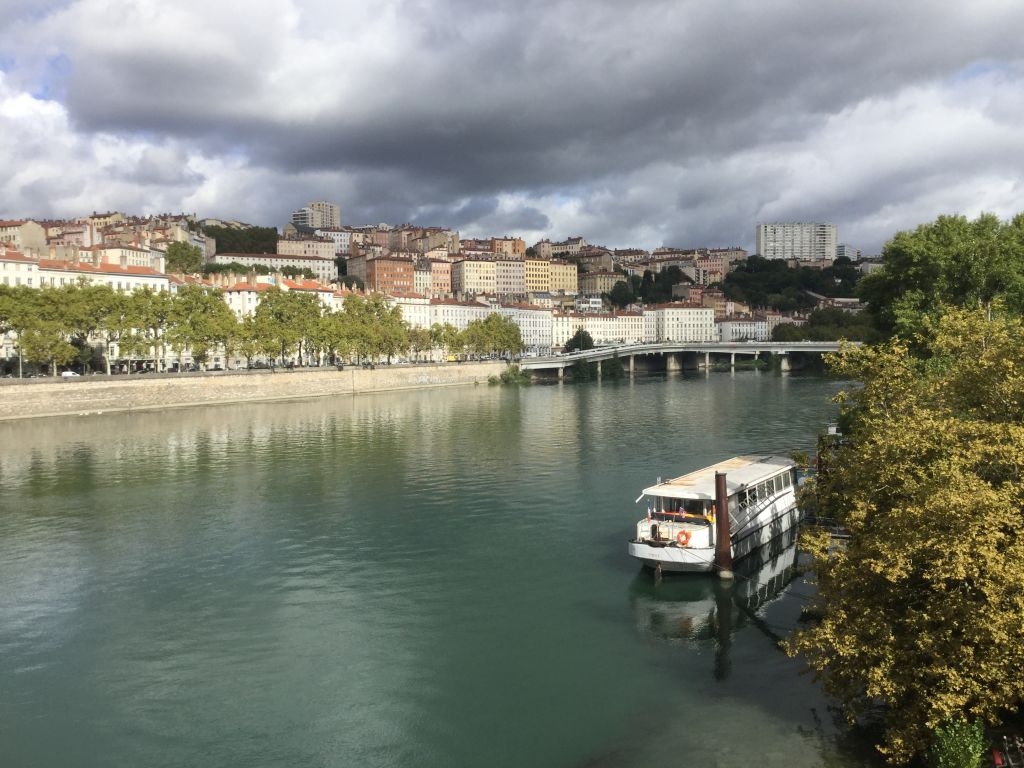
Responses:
[684,323]
[599,282]
[18,269]
[318,215]
[321,247]
[796,240]
[564,277]
[508,246]
[534,326]
[537,275]
[473,276]
[510,277]
[390,274]
[23,235]
[324,270]
[604,328]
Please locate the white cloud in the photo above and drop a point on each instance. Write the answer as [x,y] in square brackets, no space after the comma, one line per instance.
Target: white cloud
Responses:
[657,122]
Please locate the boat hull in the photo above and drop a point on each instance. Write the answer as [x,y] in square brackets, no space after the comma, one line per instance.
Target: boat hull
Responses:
[702,559]
[676,559]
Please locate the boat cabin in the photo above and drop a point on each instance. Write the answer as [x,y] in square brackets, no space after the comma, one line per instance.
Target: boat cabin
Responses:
[750,481]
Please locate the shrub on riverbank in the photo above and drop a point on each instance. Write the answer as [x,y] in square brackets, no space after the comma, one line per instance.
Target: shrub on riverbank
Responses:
[513,375]
[958,744]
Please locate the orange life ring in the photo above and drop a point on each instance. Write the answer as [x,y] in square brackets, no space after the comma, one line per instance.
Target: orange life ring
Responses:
[683,538]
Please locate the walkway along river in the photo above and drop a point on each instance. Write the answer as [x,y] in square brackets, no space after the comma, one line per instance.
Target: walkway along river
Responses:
[427,578]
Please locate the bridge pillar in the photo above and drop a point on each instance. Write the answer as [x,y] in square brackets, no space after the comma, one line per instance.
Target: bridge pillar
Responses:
[732,359]
[707,361]
[632,365]
[599,369]
[561,372]
[673,364]
[784,361]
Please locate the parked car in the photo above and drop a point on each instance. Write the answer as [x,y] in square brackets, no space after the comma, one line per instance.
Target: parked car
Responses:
[69,375]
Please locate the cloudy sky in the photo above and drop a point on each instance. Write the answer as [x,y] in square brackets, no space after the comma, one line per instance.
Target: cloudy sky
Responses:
[633,123]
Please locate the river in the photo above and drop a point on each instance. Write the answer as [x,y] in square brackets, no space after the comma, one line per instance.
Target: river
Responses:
[430,578]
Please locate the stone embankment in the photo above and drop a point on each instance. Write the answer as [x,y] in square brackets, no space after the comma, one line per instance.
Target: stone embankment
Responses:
[33,398]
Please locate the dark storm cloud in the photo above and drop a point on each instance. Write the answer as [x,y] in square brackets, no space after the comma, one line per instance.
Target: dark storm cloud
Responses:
[668,120]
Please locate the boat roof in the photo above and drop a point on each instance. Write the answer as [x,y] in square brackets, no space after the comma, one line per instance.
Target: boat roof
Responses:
[741,472]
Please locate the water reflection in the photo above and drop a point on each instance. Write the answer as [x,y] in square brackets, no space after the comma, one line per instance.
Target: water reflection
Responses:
[693,610]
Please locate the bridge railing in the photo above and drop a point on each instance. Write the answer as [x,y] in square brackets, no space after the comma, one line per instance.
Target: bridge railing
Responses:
[750,347]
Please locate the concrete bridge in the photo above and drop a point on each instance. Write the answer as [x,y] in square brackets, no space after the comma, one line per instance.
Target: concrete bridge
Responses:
[678,355]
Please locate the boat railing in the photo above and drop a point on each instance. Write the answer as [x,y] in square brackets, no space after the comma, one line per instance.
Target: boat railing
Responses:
[748,511]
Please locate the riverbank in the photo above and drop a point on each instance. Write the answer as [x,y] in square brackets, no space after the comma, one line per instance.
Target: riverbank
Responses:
[28,399]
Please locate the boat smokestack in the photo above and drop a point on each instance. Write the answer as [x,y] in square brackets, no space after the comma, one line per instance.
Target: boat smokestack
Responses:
[723,541]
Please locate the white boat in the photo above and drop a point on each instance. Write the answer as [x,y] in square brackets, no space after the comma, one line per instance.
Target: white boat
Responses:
[679,531]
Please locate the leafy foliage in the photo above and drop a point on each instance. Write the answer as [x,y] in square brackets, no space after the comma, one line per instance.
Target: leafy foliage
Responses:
[950,262]
[922,610]
[958,744]
[762,282]
[252,240]
[512,376]
[579,341]
[494,335]
[183,258]
[828,325]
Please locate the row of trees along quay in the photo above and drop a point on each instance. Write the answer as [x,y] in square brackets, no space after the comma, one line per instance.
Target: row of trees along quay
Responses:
[917,627]
[58,326]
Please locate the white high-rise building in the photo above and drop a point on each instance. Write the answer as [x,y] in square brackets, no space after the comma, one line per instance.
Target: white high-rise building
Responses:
[318,215]
[796,240]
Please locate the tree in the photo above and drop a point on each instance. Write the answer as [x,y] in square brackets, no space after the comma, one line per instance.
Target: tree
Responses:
[288,318]
[247,341]
[921,611]
[830,324]
[445,337]
[579,341]
[199,320]
[56,315]
[298,272]
[183,258]
[151,312]
[621,294]
[249,240]
[419,342]
[949,262]
[493,335]
[18,307]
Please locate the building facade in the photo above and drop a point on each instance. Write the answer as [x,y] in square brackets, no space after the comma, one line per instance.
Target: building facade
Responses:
[473,276]
[318,215]
[796,240]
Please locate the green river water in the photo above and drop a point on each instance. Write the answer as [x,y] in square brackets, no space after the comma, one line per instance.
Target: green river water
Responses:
[430,578]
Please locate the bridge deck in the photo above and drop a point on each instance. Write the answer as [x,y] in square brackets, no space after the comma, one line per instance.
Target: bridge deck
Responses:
[727,347]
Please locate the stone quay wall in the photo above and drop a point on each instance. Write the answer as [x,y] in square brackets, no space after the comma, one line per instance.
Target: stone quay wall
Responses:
[34,398]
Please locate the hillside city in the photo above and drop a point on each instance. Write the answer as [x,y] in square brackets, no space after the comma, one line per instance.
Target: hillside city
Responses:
[430,275]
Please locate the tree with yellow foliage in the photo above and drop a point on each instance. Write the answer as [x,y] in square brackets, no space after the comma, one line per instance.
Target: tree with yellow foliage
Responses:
[922,614]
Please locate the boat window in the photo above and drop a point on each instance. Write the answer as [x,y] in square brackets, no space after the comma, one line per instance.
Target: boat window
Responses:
[693,507]
[786,481]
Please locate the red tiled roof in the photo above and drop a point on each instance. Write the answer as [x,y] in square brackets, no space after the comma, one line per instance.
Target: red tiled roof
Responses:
[241,287]
[14,256]
[113,269]
[305,285]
